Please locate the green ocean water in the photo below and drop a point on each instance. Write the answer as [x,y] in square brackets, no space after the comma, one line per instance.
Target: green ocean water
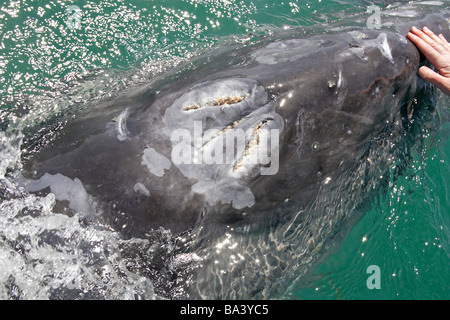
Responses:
[56,55]
[405,233]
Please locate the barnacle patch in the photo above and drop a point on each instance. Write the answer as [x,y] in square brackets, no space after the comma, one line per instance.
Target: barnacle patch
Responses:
[222,101]
[252,145]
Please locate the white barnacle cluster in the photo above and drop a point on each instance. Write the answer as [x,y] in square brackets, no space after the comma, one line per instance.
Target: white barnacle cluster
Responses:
[251,147]
[221,101]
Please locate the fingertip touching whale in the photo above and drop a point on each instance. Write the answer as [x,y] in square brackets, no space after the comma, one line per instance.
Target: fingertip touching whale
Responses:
[244,141]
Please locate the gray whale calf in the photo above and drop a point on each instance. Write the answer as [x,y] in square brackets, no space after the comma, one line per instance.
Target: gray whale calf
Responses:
[250,151]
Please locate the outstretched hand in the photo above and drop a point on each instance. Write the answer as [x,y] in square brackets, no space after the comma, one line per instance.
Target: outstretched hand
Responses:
[437,50]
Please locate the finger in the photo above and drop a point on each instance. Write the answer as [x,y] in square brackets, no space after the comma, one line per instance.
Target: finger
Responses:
[444,40]
[428,74]
[435,78]
[430,38]
[431,34]
[422,38]
[429,51]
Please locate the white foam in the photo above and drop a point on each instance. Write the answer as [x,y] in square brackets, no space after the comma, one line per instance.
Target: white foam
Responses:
[67,254]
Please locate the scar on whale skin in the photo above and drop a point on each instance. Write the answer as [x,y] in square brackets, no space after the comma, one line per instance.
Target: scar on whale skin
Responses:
[122,130]
[140,188]
[66,189]
[155,162]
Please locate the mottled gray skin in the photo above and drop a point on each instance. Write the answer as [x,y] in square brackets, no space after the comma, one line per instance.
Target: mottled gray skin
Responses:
[337,89]
[329,96]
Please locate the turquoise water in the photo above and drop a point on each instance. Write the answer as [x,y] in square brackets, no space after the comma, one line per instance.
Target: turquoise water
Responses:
[406,233]
[57,55]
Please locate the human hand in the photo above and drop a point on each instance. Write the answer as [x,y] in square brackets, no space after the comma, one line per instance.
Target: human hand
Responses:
[437,50]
